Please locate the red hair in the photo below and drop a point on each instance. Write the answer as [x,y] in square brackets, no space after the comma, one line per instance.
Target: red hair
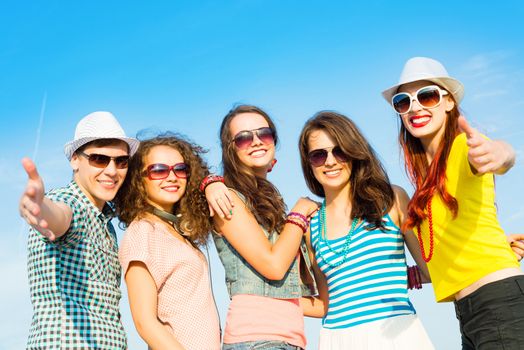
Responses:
[429,179]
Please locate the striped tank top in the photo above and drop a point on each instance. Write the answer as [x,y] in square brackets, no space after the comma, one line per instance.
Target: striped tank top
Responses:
[371,282]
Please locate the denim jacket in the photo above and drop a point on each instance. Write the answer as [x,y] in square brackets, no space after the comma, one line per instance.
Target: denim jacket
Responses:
[242,278]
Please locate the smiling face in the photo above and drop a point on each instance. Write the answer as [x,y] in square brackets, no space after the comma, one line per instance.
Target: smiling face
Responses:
[257,155]
[164,193]
[427,124]
[100,185]
[333,175]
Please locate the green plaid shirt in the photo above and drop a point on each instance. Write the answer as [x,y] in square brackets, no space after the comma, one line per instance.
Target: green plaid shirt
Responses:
[75,281]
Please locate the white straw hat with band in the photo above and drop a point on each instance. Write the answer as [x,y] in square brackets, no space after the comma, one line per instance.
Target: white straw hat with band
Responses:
[423,68]
[95,126]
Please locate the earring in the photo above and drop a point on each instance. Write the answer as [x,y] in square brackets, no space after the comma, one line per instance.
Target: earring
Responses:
[273,162]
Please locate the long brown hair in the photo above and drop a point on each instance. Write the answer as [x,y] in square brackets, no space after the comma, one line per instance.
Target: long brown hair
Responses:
[131,199]
[371,193]
[428,179]
[261,195]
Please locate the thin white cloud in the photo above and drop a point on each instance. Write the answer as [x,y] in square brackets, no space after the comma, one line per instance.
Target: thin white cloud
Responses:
[489,94]
[484,64]
[491,79]
[518,215]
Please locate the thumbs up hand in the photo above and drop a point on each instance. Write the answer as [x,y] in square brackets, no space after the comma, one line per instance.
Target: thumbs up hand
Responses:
[486,156]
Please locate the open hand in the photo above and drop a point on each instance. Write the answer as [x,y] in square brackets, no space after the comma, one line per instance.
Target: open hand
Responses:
[30,205]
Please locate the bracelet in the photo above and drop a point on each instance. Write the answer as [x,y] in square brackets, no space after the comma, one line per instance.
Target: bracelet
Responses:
[299,224]
[299,218]
[414,278]
[209,179]
[410,278]
[294,214]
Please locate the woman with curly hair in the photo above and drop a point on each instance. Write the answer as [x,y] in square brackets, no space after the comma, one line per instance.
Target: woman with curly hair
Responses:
[166,219]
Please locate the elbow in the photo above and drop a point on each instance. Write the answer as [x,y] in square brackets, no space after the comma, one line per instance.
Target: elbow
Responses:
[274,271]
[324,309]
[144,328]
[141,328]
[275,275]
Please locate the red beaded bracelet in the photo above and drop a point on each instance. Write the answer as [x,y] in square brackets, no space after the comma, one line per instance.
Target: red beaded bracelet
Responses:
[298,215]
[209,180]
[299,224]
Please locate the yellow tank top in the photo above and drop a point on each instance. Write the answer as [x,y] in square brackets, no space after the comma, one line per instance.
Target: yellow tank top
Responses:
[473,244]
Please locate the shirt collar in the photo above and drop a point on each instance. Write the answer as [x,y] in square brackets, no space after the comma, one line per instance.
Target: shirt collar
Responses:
[108,211]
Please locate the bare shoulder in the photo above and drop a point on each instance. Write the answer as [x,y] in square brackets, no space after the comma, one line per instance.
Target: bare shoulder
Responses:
[240,212]
[237,197]
[399,209]
[401,197]
[399,191]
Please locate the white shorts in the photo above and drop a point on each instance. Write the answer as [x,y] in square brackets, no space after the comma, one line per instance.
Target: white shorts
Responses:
[395,333]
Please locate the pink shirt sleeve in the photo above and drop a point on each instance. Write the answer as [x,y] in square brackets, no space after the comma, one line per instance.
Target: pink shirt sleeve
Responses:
[139,244]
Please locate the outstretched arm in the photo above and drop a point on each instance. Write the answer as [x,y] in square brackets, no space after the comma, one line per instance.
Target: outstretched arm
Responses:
[50,218]
[487,156]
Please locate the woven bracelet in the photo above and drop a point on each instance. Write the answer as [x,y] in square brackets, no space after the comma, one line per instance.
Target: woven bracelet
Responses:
[209,180]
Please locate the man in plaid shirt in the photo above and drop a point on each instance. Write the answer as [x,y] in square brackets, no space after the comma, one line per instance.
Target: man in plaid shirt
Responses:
[74,273]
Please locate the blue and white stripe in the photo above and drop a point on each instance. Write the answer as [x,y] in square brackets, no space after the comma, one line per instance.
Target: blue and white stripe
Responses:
[372,283]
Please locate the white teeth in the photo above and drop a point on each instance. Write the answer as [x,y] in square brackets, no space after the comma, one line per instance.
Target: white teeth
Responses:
[332,172]
[258,153]
[420,120]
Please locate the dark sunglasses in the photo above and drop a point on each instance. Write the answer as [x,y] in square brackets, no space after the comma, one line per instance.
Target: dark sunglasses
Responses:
[159,171]
[245,138]
[102,161]
[427,97]
[318,157]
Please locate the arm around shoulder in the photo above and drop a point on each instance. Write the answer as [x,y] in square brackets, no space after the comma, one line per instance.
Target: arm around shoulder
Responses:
[245,234]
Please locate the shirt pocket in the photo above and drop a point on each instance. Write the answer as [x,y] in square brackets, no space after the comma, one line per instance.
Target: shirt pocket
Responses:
[103,264]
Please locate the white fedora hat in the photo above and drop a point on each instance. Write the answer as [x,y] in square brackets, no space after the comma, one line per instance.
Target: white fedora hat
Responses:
[423,68]
[95,126]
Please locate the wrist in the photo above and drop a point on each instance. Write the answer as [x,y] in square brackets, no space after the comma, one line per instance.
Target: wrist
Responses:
[298,219]
[209,179]
[414,277]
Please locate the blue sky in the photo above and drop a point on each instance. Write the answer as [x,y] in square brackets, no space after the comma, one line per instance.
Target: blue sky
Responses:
[182,65]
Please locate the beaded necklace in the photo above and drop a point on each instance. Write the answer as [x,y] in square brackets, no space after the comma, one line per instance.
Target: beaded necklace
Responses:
[419,234]
[323,237]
